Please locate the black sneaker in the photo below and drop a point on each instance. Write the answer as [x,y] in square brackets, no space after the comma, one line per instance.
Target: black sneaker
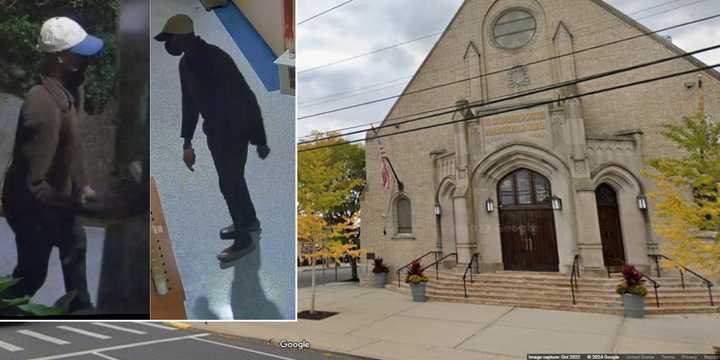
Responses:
[229,232]
[239,249]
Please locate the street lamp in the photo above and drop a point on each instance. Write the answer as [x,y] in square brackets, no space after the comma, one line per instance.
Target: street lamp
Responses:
[489,206]
[438,210]
[642,202]
[556,203]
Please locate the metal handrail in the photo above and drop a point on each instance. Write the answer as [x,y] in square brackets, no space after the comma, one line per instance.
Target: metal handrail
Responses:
[574,277]
[418,259]
[709,284]
[437,264]
[642,275]
[474,258]
[655,286]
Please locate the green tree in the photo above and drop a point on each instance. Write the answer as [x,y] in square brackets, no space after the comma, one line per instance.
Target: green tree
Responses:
[20,57]
[688,196]
[330,182]
[331,179]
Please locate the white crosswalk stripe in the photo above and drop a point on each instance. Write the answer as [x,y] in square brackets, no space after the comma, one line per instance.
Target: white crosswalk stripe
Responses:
[84,332]
[9,347]
[157,326]
[120,328]
[43,337]
[104,356]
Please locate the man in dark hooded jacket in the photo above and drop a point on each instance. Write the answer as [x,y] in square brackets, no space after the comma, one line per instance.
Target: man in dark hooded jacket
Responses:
[212,86]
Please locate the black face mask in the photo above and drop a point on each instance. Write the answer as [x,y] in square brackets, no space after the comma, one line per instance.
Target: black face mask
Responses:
[75,79]
[172,48]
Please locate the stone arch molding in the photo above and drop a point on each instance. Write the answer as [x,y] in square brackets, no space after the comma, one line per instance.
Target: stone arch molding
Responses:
[617,176]
[446,184]
[636,235]
[515,156]
[495,166]
[391,219]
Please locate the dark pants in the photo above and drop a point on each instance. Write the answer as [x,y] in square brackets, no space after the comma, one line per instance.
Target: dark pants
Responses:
[35,236]
[230,157]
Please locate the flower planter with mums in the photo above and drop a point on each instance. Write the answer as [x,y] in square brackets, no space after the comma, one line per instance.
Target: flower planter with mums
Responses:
[633,290]
[416,279]
[380,272]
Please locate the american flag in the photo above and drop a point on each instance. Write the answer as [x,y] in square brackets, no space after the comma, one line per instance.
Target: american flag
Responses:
[385,175]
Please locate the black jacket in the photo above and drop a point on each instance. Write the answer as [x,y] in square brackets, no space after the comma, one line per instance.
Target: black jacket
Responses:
[212,86]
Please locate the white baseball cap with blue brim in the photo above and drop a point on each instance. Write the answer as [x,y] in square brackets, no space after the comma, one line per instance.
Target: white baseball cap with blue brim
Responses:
[62,33]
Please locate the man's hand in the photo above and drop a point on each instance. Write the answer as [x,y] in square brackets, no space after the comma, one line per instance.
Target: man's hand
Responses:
[189,158]
[87,194]
[263,151]
[44,192]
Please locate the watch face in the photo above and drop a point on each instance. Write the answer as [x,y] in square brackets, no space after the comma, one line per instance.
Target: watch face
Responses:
[514,29]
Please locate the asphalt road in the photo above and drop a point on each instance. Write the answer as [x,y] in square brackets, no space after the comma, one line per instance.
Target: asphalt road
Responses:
[135,341]
[260,285]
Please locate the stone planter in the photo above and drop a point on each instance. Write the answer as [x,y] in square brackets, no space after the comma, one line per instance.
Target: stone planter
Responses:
[634,306]
[379,280]
[418,292]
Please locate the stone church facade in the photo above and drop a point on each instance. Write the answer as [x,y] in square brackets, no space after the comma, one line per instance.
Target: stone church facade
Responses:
[530,189]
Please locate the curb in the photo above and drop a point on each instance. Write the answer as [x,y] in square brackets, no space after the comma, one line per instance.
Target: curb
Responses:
[276,343]
[178,325]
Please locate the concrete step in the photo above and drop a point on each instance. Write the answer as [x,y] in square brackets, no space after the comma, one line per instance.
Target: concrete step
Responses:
[614,308]
[560,287]
[563,297]
[566,293]
[560,281]
[553,276]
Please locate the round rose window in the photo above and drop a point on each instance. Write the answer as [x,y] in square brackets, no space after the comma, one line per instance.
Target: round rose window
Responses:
[514,29]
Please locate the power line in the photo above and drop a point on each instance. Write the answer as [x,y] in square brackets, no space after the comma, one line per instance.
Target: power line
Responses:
[510,68]
[346,128]
[338,98]
[352,93]
[370,53]
[440,32]
[538,90]
[547,102]
[577,32]
[527,93]
[324,12]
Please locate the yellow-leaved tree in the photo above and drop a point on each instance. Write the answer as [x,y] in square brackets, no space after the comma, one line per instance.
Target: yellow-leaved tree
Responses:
[687,202]
[319,240]
[330,180]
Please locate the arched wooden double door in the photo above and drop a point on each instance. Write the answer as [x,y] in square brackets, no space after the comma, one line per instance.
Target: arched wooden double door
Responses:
[527,223]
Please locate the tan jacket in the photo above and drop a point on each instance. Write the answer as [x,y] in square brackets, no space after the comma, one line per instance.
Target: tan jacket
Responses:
[47,144]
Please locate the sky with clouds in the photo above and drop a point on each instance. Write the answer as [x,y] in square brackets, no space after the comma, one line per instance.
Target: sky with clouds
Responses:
[362,26]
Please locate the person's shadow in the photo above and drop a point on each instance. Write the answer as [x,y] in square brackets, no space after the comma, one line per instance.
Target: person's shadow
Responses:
[247,297]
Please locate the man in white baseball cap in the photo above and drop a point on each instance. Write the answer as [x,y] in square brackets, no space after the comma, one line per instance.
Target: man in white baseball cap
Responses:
[61,33]
[46,184]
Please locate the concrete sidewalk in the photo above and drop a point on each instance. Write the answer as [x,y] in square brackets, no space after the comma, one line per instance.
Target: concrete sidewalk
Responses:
[382,324]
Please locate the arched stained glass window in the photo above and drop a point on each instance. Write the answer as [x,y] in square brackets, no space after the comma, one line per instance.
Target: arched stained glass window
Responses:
[404,215]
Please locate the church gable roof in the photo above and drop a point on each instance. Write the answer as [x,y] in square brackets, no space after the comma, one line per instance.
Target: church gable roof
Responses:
[601,3]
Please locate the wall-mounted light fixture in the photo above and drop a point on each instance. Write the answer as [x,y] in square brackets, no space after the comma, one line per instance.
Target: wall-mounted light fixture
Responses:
[489,206]
[556,203]
[438,210]
[642,202]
